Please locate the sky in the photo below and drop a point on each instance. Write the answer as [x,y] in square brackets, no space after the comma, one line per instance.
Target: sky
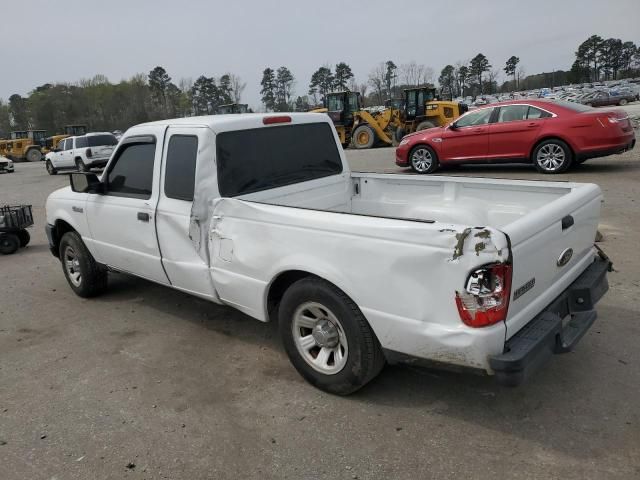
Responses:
[77,39]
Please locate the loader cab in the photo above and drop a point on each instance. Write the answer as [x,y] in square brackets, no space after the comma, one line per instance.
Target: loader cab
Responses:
[75,130]
[233,108]
[415,100]
[341,107]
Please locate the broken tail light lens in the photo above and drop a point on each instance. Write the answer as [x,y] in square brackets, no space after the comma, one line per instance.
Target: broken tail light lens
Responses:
[485,299]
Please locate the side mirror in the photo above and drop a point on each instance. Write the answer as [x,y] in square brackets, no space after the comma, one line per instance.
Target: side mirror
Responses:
[85,183]
[453,126]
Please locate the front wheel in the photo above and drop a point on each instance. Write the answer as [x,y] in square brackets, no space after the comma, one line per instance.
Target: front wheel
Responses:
[327,338]
[364,137]
[86,277]
[623,102]
[423,159]
[425,125]
[552,156]
[50,168]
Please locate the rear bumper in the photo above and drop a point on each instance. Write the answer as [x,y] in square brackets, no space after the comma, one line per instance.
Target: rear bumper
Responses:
[621,148]
[547,334]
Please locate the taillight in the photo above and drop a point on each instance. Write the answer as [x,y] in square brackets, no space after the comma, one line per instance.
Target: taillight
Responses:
[485,299]
[89,153]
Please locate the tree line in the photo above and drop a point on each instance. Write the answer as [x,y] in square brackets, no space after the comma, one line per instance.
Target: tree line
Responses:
[103,105]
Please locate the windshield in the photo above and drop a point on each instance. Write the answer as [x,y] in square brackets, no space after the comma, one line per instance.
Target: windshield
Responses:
[335,103]
[101,140]
[39,135]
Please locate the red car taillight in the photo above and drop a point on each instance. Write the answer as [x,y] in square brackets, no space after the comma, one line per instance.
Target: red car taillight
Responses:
[485,300]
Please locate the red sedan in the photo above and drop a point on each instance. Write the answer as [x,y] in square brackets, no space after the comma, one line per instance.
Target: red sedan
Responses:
[550,134]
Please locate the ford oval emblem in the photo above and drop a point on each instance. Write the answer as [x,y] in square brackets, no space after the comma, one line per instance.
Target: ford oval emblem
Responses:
[564,257]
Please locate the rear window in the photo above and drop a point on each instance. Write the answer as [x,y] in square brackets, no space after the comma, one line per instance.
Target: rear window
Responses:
[101,140]
[576,107]
[264,158]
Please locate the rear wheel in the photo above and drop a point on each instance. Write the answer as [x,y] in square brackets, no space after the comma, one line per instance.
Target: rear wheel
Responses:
[622,102]
[50,168]
[552,156]
[33,155]
[86,277]
[424,125]
[9,243]
[327,338]
[24,237]
[364,137]
[399,134]
[423,159]
[80,165]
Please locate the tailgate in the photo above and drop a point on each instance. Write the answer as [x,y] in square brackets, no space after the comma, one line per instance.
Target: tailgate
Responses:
[551,247]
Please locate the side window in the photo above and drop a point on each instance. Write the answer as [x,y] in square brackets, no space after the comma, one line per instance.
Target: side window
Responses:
[512,113]
[132,172]
[180,172]
[81,142]
[63,144]
[476,117]
[535,113]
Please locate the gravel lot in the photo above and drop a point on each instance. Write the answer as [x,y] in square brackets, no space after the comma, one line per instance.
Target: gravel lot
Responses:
[146,382]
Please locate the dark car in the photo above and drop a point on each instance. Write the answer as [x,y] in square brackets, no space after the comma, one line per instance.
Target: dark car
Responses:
[602,99]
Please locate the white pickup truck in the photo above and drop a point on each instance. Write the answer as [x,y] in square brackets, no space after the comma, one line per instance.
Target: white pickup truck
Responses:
[261,212]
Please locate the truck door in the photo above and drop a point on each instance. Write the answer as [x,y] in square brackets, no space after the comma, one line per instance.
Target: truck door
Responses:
[185,268]
[121,221]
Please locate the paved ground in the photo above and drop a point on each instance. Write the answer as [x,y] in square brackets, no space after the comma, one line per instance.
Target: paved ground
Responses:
[180,388]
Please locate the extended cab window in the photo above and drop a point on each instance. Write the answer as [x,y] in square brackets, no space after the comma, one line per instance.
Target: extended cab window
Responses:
[132,172]
[180,174]
[263,158]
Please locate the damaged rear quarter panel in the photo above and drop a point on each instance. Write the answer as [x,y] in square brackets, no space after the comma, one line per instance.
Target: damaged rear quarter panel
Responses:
[402,274]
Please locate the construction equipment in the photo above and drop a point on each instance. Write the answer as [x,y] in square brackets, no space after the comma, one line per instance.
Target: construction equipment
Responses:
[51,143]
[417,110]
[14,220]
[422,109]
[23,145]
[233,108]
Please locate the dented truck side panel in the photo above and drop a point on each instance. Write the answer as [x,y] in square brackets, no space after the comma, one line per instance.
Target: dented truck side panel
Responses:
[386,266]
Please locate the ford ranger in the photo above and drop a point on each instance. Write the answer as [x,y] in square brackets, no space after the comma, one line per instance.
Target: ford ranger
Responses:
[261,212]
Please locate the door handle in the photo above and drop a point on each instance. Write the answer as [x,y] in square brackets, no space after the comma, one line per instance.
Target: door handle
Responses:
[479,130]
[567,222]
[533,124]
[143,216]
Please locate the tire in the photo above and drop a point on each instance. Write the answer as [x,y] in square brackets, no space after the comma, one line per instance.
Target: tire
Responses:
[424,125]
[622,102]
[399,134]
[363,137]
[80,165]
[9,243]
[320,312]
[51,170]
[423,159]
[33,155]
[85,276]
[24,237]
[589,104]
[552,156]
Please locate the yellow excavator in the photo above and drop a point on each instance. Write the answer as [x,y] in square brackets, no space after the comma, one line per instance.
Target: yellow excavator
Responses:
[51,143]
[417,110]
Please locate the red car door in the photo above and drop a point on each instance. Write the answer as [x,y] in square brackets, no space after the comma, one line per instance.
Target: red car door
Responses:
[515,131]
[469,139]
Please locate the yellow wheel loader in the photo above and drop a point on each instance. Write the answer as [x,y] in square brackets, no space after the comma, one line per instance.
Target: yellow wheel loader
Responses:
[24,145]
